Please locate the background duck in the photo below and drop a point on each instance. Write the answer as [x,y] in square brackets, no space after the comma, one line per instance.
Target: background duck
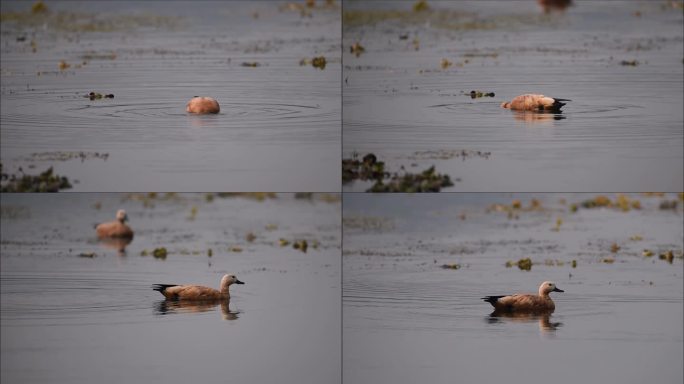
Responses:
[116,228]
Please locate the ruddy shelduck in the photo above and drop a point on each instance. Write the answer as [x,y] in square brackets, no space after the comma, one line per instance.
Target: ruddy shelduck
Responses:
[116,228]
[532,102]
[202,105]
[526,302]
[197,292]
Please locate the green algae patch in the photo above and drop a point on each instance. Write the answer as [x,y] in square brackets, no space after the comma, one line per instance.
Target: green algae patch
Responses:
[524,264]
[427,181]
[46,181]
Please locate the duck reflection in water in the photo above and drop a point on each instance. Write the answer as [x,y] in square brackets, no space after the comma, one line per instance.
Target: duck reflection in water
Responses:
[170,306]
[542,317]
[118,244]
[537,117]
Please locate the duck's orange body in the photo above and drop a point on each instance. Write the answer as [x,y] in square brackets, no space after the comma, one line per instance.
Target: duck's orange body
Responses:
[526,302]
[197,292]
[116,228]
[202,105]
[534,102]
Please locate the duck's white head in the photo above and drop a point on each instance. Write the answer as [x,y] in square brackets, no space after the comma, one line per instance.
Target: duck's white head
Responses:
[547,287]
[229,280]
[121,215]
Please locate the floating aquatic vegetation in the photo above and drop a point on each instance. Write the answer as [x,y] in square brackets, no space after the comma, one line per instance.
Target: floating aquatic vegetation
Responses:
[210,252]
[559,222]
[89,255]
[420,6]
[98,96]
[316,62]
[614,248]
[477,94]
[524,264]
[92,55]
[271,227]
[446,63]
[39,16]
[666,205]
[284,242]
[608,260]
[65,156]
[157,253]
[631,63]
[250,237]
[258,196]
[622,202]
[426,181]
[235,249]
[301,245]
[574,263]
[39,7]
[357,49]
[46,181]
[63,65]
[369,168]
[647,253]
[454,266]
[636,238]
[367,223]
[252,64]
[446,154]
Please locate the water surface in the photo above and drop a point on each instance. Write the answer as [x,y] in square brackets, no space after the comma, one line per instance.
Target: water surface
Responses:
[406,319]
[279,126]
[621,131]
[75,310]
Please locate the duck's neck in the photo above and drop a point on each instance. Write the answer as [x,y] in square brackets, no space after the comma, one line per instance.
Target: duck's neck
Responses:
[224,290]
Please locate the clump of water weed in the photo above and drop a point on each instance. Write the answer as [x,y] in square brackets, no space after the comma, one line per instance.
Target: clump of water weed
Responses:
[258,196]
[427,181]
[357,49]
[368,168]
[525,264]
[621,202]
[46,181]
[301,245]
[477,94]
[99,96]
[629,63]
[454,266]
[316,62]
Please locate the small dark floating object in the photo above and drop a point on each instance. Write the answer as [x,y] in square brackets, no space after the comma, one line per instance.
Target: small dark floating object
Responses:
[475,94]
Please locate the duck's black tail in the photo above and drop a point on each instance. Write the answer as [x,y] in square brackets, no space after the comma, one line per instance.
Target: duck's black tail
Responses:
[558,104]
[492,299]
[162,287]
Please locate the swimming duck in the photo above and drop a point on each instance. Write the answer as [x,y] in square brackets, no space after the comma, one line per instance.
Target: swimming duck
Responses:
[202,105]
[116,228]
[526,302]
[532,102]
[197,292]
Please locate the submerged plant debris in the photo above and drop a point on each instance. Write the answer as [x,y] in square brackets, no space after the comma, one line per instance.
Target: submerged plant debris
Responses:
[427,181]
[369,168]
[477,94]
[525,264]
[46,181]
[357,49]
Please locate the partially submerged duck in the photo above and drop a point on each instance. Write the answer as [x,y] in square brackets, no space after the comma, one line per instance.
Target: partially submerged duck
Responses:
[533,102]
[197,292]
[202,105]
[526,302]
[116,228]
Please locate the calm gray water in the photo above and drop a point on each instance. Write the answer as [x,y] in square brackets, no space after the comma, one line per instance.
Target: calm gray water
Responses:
[623,129]
[72,319]
[279,126]
[407,320]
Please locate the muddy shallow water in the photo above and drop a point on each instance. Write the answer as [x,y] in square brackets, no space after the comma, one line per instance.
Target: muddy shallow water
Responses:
[621,131]
[279,125]
[406,319]
[78,311]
